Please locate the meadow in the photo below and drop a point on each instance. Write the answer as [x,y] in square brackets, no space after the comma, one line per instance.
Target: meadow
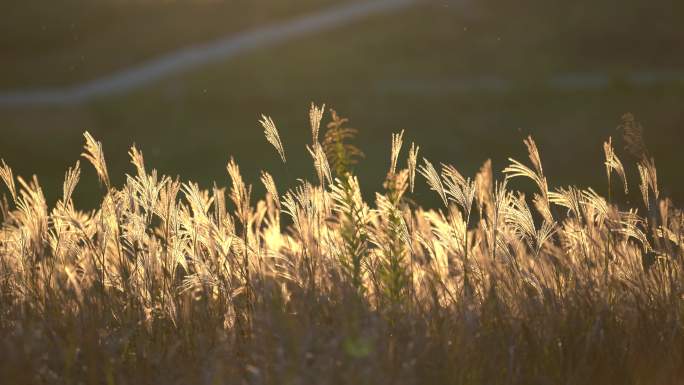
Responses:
[166,282]
[401,70]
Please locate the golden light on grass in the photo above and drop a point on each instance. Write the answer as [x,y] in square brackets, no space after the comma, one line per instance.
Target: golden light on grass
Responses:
[167,282]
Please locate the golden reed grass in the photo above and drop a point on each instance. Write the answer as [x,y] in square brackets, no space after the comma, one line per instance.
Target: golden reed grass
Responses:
[167,283]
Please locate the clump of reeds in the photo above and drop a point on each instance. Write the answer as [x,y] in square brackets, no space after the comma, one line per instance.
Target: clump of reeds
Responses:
[168,283]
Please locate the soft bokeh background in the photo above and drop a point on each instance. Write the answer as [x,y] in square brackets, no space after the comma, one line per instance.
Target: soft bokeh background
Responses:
[468,80]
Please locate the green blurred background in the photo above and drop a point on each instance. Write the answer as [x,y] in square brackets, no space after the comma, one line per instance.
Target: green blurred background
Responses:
[468,80]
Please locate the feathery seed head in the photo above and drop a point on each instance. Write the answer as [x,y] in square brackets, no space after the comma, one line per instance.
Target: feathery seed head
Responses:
[270,186]
[271,133]
[320,163]
[397,140]
[8,177]
[430,173]
[70,181]
[613,163]
[95,155]
[411,164]
[315,116]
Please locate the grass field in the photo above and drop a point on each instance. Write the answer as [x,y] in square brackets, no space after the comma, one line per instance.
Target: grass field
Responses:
[168,283]
[300,262]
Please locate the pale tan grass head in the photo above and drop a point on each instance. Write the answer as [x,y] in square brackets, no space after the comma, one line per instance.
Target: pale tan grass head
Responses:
[137,160]
[411,164]
[613,163]
[649,180]
[459,189]
[315,116]
[8,177]
[240,193]
[95,155]
[397,141]
[434,181]
[320,163]
[271,189]
[271,133]
[70,181]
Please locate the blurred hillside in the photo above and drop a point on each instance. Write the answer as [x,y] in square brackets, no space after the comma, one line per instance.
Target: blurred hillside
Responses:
[59,43]
[466,80]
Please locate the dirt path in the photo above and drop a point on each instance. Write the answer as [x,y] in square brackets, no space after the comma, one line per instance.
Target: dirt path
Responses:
[201,54]
[569,81]
[235,45]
